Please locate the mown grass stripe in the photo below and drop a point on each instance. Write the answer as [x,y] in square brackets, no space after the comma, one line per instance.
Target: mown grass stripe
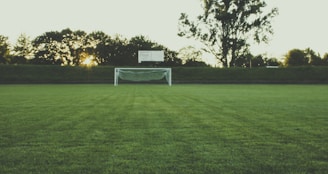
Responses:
[161,129]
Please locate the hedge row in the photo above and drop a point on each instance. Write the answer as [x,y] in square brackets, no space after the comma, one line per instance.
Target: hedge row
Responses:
[254,75]
[54,74]
[11,74]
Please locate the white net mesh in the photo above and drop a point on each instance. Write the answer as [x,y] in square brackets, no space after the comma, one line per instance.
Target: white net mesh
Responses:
[143,74]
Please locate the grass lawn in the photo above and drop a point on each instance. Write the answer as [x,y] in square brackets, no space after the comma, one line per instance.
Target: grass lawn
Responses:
[161,129]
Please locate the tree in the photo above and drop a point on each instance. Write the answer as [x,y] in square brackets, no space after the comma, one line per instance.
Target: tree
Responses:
[4,50]
[192,63]
[313,58]
[257,61]
[296,57]
[118,51]
[189,53]
[102,46]
[226,26]
[23,50]
[170,58]
[244,60]
[63,48]
[76,46]
[48,48]
[190,56]
[325,59]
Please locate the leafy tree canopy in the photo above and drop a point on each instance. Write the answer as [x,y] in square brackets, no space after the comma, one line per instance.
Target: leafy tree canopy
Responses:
[69,47]
[296,57]
[226,27]
[4,50]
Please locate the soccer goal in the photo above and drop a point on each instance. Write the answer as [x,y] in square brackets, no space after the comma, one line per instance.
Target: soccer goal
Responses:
[142,74]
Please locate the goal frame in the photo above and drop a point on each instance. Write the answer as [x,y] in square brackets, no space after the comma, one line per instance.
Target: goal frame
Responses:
[116,73]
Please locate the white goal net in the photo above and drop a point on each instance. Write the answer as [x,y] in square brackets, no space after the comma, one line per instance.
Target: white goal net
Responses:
[142,74]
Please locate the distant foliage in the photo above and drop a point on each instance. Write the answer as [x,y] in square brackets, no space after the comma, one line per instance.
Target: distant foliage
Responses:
[22,50]
[226,27]
[74,48]
[325,59]
[298,57]
[4,50]
[250,61]
[191,56]
[78,48]
[313,58]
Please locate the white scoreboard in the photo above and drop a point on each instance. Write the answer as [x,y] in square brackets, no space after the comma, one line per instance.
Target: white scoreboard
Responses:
[150,56]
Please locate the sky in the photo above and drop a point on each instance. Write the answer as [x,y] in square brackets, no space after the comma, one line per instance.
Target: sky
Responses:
[300,23]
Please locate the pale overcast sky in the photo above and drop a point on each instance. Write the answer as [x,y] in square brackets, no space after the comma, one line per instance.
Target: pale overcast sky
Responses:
[300,23]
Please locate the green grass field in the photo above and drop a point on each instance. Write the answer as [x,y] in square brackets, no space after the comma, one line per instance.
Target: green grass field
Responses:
[161,129]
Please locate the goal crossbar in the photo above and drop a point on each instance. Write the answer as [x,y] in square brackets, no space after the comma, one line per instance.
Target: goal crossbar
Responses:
[133,74]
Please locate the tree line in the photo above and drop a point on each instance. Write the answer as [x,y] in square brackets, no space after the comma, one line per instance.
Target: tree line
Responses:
[74,48]
[298,57]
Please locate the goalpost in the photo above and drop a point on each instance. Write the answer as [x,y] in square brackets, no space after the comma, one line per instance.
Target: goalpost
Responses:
[145,74]
[142,74]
